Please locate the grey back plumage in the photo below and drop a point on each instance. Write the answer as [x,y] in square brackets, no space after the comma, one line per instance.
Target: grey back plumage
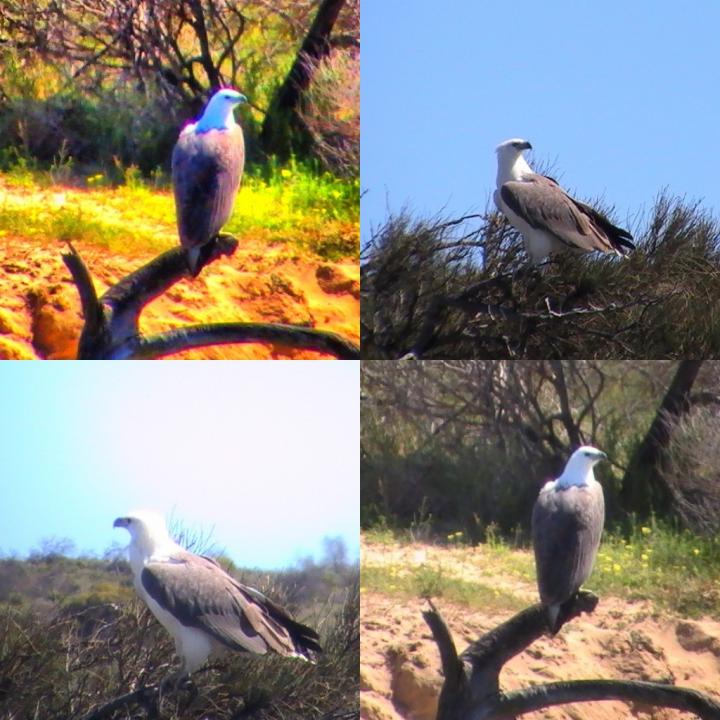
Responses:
[200,594]
[206,170]
[544,205]
[566,528]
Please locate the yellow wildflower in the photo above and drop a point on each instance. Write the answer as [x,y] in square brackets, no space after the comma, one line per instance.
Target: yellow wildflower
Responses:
[643,557]
[696,551]
[616,567]
[286,173]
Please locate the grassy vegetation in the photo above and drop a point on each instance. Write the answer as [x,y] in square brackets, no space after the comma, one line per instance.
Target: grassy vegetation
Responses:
[295,205]
[676,570]
[430,581]
[74,635]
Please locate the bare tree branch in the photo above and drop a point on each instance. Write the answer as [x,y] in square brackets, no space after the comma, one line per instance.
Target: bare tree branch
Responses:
[471,690]
[146,697]
[560,693]
[111,330]
[195,336]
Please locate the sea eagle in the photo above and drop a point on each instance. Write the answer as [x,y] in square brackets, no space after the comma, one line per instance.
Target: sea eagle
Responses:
[204,609]
[548,218]
[207,165]
[567,522]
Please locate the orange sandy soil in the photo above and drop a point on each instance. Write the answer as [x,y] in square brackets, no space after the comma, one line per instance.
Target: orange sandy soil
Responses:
[40,310]
[400,667]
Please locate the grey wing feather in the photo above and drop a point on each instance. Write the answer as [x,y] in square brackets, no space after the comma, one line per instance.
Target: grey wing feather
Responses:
[206,169]
[202,595]
[546,206]
[566,526]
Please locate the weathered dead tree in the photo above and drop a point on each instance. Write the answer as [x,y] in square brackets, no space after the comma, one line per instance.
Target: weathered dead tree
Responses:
[471,690]
[111,329]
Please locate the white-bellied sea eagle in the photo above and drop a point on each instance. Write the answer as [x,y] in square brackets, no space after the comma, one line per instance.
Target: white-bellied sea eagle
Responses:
[204,609]
[207,165]
[567,522]
[548,218]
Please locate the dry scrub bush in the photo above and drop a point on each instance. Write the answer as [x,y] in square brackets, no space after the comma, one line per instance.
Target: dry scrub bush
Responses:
[440,289]
[67,661]
[331,112]
[691,470]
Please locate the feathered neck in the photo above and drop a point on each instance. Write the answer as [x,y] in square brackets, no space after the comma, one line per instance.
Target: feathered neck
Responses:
[512,167]
[218,115]
[578,472]
[150,545]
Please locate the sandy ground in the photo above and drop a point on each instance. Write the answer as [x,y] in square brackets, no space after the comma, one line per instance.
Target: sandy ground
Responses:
[400,676]
[40,310]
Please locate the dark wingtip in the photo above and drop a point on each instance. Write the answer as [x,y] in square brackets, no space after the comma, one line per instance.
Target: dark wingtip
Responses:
[305,638]
[623,244]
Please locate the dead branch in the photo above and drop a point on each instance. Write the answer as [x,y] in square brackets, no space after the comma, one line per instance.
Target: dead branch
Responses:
[645,693]
[195,336]
[472,306]
[111,330]
[471,690]
[147,697]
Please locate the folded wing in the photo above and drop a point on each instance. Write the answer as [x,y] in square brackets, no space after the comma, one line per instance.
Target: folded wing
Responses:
[200,594]
[544,205]
[206,170]
[566,527]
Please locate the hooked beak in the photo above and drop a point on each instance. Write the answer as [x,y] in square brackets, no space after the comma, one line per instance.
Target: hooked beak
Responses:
[122,522]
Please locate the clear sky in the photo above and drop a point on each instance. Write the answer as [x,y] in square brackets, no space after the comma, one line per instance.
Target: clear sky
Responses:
[622,98]
[263,455]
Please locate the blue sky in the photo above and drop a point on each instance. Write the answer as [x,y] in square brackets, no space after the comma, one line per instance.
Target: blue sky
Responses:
[622,99]
[261,455]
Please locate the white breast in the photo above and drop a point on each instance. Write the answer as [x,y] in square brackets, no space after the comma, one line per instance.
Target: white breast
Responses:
[538,243]
[192,645]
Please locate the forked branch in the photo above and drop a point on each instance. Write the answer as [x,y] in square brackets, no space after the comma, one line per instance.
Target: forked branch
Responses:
[111,330]
[471,690]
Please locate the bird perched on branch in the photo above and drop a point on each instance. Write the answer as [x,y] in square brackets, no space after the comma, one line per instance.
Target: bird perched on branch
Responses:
[207,166]
[567,523]
[548,218]
[204,609]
